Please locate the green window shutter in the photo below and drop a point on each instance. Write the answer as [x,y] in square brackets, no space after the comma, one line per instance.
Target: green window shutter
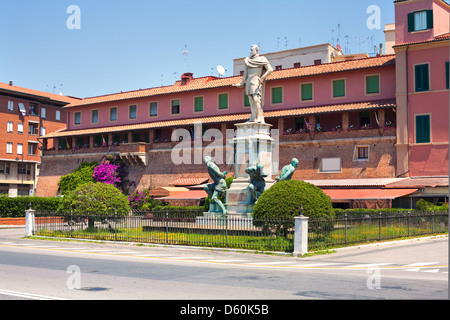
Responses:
[223,101]
[307,91]
[246,101]
[411,22]
[446,74]
[338,88]
[422,78]
[198,104]
[277,95]
[429,19]
[423,129]
[373,84]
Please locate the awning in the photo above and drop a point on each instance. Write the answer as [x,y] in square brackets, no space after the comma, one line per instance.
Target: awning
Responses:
[367,194]
[188,195]
[166,191]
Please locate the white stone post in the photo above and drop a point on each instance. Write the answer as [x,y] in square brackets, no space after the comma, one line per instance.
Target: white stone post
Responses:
[29,222]
[301,236]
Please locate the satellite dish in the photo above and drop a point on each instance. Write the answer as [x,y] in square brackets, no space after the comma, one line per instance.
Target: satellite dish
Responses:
[221,70]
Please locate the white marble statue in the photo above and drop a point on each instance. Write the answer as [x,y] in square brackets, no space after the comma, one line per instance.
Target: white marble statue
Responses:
[257,69]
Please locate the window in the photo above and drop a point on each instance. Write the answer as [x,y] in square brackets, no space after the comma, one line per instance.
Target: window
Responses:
[58,115]
[297,65]
[77,118]
[132,112]
[361,153]
[175,106]
[153,109]
[246,101]
[42,131]
[20,127]
[43,112]
[338,88]
[306,91]
[2,168]
[277,95]
[317,62]
[113,114]
[94,116]
[422,80]
[9,126]
[277,68]
[19,148]
[33,128]
[330,165]
[11,105]
[198,104]
[223,101]
[32,148]
[423,129]
[299,123]
[446,75]
[9,147]
[420,20]
[372,84]
[22,109]
[364,118]
[33,109]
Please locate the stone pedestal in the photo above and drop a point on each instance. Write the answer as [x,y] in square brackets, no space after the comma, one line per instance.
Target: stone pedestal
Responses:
[252,145]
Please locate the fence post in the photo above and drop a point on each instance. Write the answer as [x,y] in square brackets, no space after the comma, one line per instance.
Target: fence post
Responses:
[301,235]
[29,222]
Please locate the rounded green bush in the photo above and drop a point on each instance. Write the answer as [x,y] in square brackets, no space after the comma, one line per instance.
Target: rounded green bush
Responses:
[96,199]
[284,200]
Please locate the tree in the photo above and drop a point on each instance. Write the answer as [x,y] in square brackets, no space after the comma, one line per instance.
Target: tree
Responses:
[96,201]
[83,174]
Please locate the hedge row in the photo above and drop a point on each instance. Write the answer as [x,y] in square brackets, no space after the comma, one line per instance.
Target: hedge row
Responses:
[16,207]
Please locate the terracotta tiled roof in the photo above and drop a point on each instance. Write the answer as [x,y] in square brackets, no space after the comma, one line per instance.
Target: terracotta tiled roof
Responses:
[40,94]
[442,37]
[186,182]
[214,82]
[348,107]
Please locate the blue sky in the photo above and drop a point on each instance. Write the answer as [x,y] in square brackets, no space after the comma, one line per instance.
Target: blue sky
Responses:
[129,45]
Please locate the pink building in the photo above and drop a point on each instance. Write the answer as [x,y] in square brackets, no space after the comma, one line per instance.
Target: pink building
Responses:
[360,127]
[422,77]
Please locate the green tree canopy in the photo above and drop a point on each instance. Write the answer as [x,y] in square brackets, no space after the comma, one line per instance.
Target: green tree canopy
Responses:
[284,200]
[95,199]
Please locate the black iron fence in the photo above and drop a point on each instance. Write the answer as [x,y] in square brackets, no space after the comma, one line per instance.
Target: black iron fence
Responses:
[194,228]
[359,228]
[190,228]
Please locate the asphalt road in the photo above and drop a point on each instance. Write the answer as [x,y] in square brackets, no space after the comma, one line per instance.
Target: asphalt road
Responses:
[42,269]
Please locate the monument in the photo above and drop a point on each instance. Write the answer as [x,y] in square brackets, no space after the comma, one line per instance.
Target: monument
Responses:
[253,144]
[253,156]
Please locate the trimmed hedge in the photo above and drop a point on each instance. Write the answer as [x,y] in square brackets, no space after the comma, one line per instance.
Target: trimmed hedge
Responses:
[16,207]
[284,199]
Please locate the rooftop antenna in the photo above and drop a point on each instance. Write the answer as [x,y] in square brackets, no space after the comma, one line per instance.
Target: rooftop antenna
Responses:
[221,70]
[185,54]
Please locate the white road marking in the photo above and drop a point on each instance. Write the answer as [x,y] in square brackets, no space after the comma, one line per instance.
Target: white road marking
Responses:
[28,295]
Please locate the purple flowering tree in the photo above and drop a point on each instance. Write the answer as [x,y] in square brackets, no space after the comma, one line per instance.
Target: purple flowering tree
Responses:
[107,173]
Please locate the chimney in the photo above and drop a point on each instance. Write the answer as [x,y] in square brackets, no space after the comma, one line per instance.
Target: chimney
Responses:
[10,83]
[186,78]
